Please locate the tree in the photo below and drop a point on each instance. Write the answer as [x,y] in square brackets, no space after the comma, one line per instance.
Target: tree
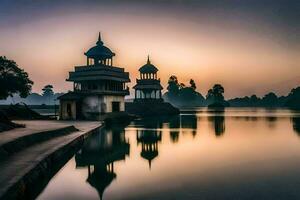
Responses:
[181,95]
[269,100]
[254,100]
[293,99]
[48,91]
[215,94]
[181,86]
[193,84]
[173,86]
[13,80]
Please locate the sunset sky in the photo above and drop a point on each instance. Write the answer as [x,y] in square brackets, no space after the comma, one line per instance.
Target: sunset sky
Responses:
[247,46]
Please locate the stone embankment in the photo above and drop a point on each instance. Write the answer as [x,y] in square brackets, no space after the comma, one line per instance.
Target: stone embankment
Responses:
[30,157]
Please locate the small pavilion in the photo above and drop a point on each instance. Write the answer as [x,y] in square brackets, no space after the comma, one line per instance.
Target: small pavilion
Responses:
[148,87]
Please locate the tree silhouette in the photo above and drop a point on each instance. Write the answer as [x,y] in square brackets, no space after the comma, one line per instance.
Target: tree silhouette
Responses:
[48,93]
[293,99]
[254,100]
[182,95]
[13,80]
[215,94]
[193,84]
[270,99]
[181,86]
[173,86]
[48,90]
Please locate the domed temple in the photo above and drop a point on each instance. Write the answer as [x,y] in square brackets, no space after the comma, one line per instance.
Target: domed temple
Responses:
[98,87]
[148,87]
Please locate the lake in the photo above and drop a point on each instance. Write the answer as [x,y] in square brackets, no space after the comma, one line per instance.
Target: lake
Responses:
[201,154]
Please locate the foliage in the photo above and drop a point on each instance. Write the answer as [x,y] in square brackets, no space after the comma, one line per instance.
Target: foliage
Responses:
[215,94]
[48,90]
[193,84]
[181,95]
[293,99]
[13,80]
[173,86]
[269,100]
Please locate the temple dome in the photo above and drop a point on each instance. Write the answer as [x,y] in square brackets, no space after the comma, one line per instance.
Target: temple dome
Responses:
[148,67]
[99,51]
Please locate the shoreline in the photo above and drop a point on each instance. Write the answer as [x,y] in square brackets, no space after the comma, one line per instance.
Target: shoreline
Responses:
[39,173]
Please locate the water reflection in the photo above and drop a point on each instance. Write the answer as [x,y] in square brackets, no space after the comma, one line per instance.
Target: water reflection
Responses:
[174,135]
[188,123]
[296,124]
[218,123]
[99,153]
[224,142]
[149,140]
[271,121]
[173,125]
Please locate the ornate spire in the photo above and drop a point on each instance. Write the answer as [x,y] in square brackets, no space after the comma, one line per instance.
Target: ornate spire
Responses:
[148,61]
[99,42]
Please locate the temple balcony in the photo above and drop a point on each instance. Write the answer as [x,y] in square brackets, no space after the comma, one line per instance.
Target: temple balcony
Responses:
[101,74]
[98,67]
[148,81]
[104,92]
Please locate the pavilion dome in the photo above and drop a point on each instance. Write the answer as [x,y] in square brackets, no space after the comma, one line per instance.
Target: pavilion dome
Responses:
[99,51]
[148,67]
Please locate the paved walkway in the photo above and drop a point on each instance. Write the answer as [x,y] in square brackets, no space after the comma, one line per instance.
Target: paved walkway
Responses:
[14,169]
[35,126]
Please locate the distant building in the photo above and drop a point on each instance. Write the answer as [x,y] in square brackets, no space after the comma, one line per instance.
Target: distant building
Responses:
[99,87]
[148,99]
[148,87]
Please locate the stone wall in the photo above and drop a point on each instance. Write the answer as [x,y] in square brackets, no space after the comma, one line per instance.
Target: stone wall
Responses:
[91,107]
[63,110]
[109,99]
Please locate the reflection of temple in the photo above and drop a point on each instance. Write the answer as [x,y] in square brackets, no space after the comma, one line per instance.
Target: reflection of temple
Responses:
[174,135]
[271,120]
[218,124]
[174,125]
[99,153]
[296,124]
[152,123]
[149,140]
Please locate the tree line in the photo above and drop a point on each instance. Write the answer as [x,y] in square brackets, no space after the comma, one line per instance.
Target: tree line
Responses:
[186,96]
[15,86]
[292,100]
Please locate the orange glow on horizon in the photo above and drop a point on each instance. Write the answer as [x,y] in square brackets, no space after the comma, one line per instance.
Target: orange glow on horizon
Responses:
[244,61]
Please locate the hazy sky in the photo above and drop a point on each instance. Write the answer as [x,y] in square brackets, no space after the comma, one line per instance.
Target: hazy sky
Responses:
[249,46]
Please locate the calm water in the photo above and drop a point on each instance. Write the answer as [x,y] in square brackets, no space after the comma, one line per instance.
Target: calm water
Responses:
[236,154]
